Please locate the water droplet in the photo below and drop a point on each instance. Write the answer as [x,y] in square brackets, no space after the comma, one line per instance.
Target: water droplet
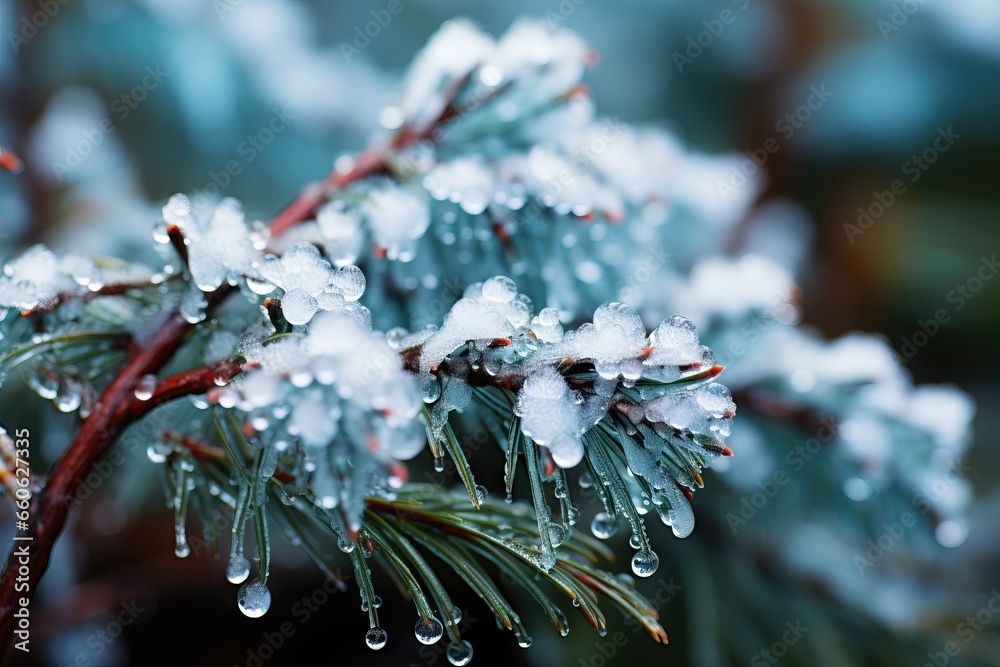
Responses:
[298,306]
[644,564]
[439,464]
[259,235]
[557,534]
[574,516]
[237,570]
[254,599]
[159,451]
[481,493]
[181,547]
[603,526]
[345,545]
[145,387]
[68,399]
[586,481]
[429,632]
[500,289]
[376,638]
[524,641]
[45,385]
[634,541]
[459,653]
[951,533]
[456,614]
[160,232]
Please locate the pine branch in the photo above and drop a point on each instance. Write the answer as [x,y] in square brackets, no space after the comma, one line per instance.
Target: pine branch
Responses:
[118,406]
[97,433]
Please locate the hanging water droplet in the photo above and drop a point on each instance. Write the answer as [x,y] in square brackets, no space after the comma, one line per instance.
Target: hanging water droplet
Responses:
[574,516]
[145,387]
[345,545]
[181,547]
[524,641]
[160,232]
[644,563]
[68,399]
[376,638]
[576,602]
[604,526]
[259,420]
[557,534]
[481,493]
[510,498]
[237,570]
[456,614]
[429,632]
[634,541]
[259,234]
[439,464]
[45,385]
[254,599]
[378,602]
[459,653]
[586,481]
[159,451]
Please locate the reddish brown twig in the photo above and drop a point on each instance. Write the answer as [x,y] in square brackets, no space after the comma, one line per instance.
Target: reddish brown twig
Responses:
[373,161]
[97,433]
[118,406]
[85,294]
